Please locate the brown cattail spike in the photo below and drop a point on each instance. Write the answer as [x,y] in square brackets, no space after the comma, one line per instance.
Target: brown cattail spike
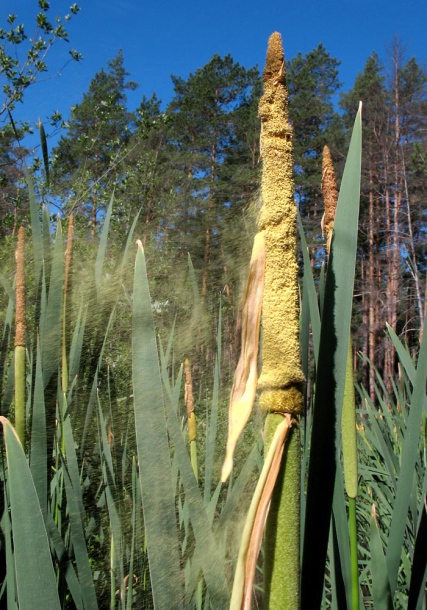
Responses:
[20,325]
[189,402]
[330,195]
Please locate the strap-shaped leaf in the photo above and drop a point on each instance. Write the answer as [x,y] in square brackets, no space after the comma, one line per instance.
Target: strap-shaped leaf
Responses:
[35,576]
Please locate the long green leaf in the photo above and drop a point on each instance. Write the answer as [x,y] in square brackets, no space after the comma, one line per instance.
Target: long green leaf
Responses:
[380,578]
[311,291]
[335,332]
[38,454]
[408,462]
[158,497]
[45,153]
[35,576]
[51,336]
[102,248]
[419,563]
[36,233]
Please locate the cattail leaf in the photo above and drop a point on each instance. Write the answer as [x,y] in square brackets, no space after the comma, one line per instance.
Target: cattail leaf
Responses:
[409,457]
[381,592]
[129,242]
[36,232]
[77,342]
[72,464]
[38,449]
[102,248]
[50,337]
[129,597]
[419,563]
[338,589]
[10,580]
[311,291]
[377,438]
[331,372]
[158,497]
[45,153]
[93,394]
[8,288]
[106,449]
[78,542]
[208,554]
[34,573]
[46,236]
[246,376]
[6,366]
[211,428]
[341,539]
[404,356]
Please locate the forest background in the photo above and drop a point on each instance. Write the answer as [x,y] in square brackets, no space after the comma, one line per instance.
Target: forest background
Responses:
[190,168]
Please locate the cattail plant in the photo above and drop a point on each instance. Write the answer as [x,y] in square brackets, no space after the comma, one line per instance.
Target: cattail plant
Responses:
[20,327]
[348,421]
[281,381]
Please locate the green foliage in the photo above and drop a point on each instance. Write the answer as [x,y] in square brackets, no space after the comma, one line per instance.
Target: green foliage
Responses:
[18,74]
[116,510]
[313,83]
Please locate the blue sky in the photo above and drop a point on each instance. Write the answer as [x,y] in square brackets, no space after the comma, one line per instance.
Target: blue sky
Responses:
[165,37]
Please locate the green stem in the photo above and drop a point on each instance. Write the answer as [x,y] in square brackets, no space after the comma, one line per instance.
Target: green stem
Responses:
[282,534]
[112,577]
[353,554]
[20,392]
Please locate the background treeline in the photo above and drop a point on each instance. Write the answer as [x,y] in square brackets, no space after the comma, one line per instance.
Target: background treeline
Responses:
[190,169]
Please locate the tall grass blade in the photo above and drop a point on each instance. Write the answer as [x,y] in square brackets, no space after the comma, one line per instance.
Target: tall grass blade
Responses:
[38,449]
[408,461]
[36,233]
[311,291]
[335,332]
[9,581]
[45,154]
[35,576]
[419,564]
[341,534]
[207,554]
[211,435]
[380,577]
[102,248]
[51,336]
[78,542]
[158,497]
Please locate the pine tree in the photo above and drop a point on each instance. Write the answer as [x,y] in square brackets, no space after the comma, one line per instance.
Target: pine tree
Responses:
[374,239]
[87,157]
[313,83]
[207,117]
[13,198]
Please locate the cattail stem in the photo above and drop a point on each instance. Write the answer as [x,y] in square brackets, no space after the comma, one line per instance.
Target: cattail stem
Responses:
[353,554]
[20,349]
[282,534]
